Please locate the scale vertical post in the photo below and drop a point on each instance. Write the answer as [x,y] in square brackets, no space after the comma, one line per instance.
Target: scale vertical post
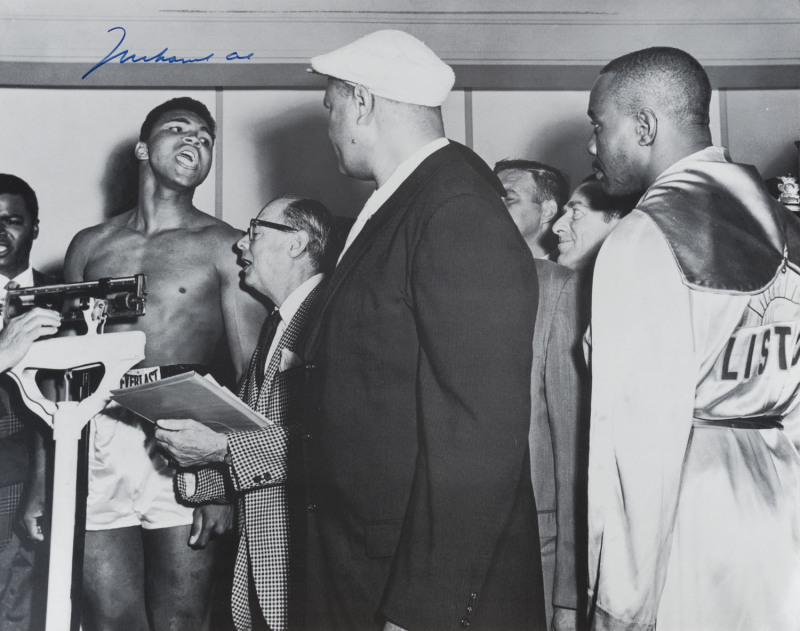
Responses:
[117,352]
[66,434]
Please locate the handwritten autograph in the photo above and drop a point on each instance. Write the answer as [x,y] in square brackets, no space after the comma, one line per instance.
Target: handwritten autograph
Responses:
[124,55]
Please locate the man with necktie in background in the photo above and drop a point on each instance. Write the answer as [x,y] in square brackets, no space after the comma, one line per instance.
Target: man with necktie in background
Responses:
[21,465]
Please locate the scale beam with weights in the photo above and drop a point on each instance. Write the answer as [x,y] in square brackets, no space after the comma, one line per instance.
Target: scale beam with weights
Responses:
[90,303]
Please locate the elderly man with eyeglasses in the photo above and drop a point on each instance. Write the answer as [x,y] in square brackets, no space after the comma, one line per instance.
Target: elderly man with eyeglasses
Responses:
[285,253]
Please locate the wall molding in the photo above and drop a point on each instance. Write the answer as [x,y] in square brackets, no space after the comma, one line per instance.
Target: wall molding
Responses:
[471,37]
[558,45]
[290,76]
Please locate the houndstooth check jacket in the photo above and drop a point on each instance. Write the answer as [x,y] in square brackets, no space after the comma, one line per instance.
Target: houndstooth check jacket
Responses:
[257,476]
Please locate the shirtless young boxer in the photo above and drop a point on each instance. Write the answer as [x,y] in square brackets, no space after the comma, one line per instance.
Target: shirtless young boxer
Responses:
[139,572]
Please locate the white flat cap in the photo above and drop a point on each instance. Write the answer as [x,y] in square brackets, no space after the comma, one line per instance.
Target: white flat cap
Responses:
[392,64]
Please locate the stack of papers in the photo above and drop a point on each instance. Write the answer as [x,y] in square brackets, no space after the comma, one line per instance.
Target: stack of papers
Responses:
[189,395]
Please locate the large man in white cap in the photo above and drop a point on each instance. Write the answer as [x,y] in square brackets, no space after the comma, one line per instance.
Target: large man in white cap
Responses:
[420,508]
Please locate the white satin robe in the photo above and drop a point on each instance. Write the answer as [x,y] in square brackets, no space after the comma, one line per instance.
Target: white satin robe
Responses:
[691,528]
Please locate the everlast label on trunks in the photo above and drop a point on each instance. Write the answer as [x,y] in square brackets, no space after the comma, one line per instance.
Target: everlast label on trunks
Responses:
[147,375]
[138,376]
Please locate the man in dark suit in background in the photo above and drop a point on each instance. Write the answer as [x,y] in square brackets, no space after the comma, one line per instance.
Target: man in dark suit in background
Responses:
[559,400]
[19,459]
[420,506]
[285,252]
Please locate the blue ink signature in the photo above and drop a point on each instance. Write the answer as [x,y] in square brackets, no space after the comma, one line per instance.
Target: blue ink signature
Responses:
[124,55]
[234,55]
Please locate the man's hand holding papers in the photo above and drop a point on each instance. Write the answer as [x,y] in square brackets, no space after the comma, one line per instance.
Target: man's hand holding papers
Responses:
[189,443]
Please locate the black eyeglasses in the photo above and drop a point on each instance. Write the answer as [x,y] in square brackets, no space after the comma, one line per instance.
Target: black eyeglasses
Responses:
[251,231]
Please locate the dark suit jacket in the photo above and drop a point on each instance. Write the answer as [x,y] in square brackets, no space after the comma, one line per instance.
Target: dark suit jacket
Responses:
[558,409]
[259,477]
[420,507]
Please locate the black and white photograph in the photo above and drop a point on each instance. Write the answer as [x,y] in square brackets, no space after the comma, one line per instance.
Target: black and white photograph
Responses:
[339,315]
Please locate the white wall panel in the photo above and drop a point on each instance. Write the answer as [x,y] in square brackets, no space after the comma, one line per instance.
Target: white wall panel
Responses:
[550,127]
[763,126]
[276,142]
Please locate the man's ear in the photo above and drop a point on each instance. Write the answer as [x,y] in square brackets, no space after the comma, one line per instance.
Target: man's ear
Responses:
[35,229]
[549,210]
[298,243]
[140,151]
[365,103]
[646,126]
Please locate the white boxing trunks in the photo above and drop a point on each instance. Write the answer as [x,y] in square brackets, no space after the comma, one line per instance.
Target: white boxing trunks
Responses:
[130,480]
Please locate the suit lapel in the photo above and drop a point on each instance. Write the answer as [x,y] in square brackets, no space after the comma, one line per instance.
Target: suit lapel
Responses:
[248,389]
[271,399]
